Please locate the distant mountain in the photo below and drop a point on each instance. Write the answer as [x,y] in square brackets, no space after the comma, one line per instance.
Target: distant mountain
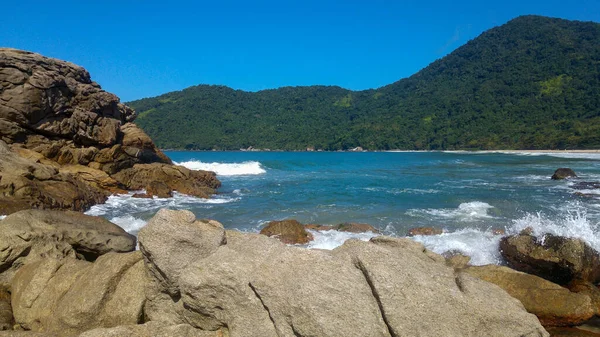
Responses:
[532,83]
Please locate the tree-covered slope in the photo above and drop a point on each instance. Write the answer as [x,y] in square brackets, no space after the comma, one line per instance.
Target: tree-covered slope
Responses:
[531,83]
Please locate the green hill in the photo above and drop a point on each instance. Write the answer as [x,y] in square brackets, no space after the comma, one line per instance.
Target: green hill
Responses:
[533,83]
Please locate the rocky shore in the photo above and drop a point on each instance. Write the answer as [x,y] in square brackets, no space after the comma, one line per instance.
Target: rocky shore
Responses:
[65,144]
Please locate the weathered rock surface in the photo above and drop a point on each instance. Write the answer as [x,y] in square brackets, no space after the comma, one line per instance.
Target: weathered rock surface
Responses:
[26,183]
[563,173]
[69,296]
[31,235]
[351,227]
[551,303]
[287,231]
[257,286]
[589,289]
[554,258]
[66,137]
[424,231]
[456,259]
[178,178]
[152,329]
[6,316]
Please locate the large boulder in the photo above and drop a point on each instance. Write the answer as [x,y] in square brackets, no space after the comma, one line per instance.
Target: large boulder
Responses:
[257,286]
[31,235]
[177,178]
[551,303]
[68,297]
[552,257]
[287,231]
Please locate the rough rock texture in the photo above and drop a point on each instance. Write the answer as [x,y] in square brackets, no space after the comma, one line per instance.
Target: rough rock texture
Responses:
[178,178]
[571,332]
[66,137]
[456,259]
[424,231]
[6,316]
[287,231]
[589,289]
[257,286]
[554,258]
[353,227]
[70,296]
[26,183]
[152,329]
[30,235]
[551,303]
[563,173]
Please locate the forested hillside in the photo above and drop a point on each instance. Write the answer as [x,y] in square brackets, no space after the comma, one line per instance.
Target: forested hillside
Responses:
[533,83]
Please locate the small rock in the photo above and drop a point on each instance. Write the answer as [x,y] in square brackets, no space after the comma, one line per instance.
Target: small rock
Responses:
[316,227]
[456,259]
[287,231]
[355,227]
[498,231]
[424,231]
[563,173]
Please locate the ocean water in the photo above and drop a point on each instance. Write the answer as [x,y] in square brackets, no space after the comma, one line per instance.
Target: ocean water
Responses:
[468,195]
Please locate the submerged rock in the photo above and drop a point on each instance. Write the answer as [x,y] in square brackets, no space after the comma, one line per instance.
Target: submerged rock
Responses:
[551,303]
[554,258]
[424,231]
[563,173]
[287,231]
[256,286]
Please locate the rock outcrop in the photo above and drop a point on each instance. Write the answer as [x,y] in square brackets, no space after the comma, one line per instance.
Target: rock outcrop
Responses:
[554,258]
[287,231]
[424,231]
[563,173]
[73,296]
[31,235]
[62,138]
[253,285]
[551,303]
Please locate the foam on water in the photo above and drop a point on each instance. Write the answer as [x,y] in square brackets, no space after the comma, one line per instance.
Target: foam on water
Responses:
[129,223]
[331,239]
[2,217]
[226,169]
[572,224]
[115,204]
[467,211]
[481,246]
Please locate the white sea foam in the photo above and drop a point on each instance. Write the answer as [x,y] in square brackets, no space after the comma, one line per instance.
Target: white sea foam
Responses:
[573,224]
[226,169]
[468,211]
[2,217]
[129,223]
[481,246]
[331,239]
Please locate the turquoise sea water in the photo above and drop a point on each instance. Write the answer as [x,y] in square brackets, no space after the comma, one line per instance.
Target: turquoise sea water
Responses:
[466,194]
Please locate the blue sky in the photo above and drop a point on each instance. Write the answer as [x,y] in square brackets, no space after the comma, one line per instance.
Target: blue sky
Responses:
[139,49]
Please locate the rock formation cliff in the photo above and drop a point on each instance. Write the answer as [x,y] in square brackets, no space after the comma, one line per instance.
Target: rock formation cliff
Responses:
[66,144]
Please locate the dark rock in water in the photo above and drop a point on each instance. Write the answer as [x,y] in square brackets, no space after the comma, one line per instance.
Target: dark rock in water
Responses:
[424,231]
[317,227]
[551,303]
[29,235]
[178,178]
[355,227]
[554,258]
[586,185]
[563,173]
[287,231]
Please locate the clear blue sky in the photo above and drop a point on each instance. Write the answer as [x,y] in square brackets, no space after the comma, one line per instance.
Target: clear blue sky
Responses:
[138,49]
